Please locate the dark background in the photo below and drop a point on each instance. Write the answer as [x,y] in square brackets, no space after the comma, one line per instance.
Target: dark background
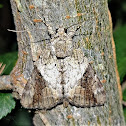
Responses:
[8,43]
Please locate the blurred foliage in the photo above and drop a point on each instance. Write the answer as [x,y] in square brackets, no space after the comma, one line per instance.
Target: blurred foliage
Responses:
[9,59]
[124,109]
[118,12]
[7,103]
[18,117]
[124,95]
[1,5]
[21,118]
[120,42]
[7,39]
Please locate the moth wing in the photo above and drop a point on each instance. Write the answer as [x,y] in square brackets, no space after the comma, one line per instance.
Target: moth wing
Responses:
[37,95]
[89,90]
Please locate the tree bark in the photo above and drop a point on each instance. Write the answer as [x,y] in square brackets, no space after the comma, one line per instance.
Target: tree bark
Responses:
[94,36]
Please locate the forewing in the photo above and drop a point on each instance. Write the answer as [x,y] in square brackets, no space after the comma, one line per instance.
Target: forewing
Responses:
[37,94]
[89,90]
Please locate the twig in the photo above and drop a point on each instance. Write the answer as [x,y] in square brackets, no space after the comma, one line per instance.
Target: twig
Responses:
[124,88]
[44,119]
[2,68]
[5,82]
[124,103]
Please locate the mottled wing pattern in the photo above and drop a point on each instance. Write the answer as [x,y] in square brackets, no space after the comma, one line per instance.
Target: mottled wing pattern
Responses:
[61,74]
[38,95]
[89,90]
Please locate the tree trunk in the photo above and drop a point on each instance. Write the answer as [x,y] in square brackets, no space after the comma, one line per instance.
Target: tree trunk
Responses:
[35,20]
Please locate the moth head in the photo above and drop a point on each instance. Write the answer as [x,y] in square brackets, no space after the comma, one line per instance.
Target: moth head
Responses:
[61,31]
[61,44]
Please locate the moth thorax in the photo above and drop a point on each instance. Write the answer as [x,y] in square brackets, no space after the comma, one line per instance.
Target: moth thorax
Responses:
[63,49]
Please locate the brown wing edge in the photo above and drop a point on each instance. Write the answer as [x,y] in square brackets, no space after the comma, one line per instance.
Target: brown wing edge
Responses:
[37,94]
[89,91]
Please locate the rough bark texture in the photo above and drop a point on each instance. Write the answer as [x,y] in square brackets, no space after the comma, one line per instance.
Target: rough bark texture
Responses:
[94,37]
[5,83]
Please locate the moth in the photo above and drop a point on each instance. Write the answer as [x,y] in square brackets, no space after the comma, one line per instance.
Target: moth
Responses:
[62,74]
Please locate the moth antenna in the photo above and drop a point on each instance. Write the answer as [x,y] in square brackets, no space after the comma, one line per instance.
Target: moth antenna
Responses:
[74,25]
[16,31]
[35,42]
[22,30]
[79,35]
[50,30]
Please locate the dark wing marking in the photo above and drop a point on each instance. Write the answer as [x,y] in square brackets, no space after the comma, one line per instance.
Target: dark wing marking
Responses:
[89,92]
[37,94]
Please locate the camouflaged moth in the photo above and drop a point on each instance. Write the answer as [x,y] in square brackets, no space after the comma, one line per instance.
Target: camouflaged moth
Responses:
[62,74]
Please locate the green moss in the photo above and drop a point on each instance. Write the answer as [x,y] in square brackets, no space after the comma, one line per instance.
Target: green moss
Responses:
[1,5]
[88,45]
[78,43]
[98,121]
[77,3]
